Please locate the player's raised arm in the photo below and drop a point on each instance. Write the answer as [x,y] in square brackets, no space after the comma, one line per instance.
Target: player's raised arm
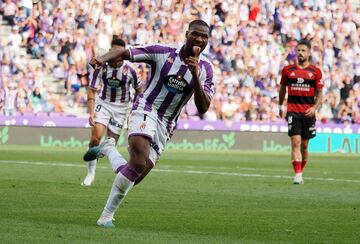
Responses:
[202,101]
[114,54]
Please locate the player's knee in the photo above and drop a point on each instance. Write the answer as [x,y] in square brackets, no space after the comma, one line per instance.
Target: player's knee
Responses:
[139,151]
[296,144]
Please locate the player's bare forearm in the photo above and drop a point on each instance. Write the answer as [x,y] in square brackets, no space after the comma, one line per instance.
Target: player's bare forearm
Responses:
[116,53]
[202,101]
[318,98]
[282,93]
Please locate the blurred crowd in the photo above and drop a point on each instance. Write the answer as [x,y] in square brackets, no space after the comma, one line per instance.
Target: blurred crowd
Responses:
[249,44]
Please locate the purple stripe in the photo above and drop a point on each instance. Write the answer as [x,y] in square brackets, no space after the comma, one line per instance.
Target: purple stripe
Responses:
[165,104]
[120,168]
[155,92]
[123,85]
[113,89]
[103,95]
[95,75]
[176,114]
[170,96]
[137,101]
[129,173]
[209,76]
[153,69]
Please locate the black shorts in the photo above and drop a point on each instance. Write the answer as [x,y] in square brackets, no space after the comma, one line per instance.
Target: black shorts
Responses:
[304,127]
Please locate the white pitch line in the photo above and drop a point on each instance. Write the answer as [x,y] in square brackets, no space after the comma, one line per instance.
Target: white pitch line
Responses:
[253,175]
[59,164]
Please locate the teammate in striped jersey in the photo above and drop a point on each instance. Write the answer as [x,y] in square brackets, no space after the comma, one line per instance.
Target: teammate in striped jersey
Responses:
[108,101]
[304,87]
[176,74]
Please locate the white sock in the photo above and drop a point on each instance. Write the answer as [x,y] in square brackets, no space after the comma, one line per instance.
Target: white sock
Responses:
[114,157]
[121,186]
[91,166]
[298,174]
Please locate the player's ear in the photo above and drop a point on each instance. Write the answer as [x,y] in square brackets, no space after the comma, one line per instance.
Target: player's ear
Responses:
[186,34]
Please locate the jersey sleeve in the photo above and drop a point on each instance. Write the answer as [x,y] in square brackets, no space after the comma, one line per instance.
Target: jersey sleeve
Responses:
[147,53]
[283,77]
[318,82]
[95,78]
[206,79]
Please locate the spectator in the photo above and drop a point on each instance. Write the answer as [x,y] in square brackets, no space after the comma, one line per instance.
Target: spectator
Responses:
[9,10]
[10,99]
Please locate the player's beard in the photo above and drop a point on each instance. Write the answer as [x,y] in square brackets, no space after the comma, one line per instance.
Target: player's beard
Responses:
[301,59]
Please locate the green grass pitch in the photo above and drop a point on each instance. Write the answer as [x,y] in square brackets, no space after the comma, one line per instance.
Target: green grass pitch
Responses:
[190,197]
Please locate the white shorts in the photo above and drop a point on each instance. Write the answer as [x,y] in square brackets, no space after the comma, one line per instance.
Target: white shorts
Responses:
[147,125]
[111,115]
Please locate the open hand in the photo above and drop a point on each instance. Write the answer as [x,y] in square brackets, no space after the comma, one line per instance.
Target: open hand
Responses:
[310,112]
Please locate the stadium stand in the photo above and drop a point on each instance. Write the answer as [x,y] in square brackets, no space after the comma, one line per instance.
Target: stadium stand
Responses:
[45,47]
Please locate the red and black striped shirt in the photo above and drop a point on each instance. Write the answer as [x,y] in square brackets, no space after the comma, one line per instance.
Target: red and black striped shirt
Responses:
[301,83]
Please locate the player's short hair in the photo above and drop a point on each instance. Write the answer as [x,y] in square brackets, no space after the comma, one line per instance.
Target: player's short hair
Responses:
[118,42]
[305,43]
[198,22]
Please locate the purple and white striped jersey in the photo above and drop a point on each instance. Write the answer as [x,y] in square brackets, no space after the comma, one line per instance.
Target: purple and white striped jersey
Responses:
[171,83]
[114,83]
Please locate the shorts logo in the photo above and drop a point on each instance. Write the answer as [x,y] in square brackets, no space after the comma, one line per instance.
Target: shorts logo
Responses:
[176,84]
[143,125]
[290,119]
[114,123]
[170,60]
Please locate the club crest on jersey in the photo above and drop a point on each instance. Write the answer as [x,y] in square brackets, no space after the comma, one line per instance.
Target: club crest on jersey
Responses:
[176,84]
[170,60]
[300,80]
[310,74]
[292,73]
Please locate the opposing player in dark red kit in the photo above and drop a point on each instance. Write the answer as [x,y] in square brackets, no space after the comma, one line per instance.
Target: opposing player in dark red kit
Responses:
[304,87]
